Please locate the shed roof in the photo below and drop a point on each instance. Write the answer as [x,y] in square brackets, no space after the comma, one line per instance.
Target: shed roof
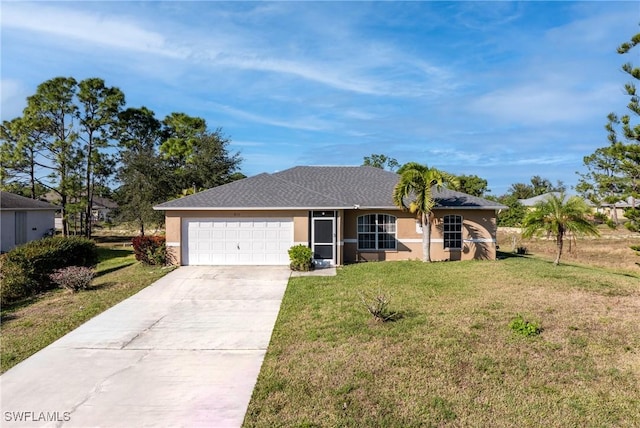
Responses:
[11,201]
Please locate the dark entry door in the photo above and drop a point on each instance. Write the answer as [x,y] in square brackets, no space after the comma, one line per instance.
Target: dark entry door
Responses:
[323,243]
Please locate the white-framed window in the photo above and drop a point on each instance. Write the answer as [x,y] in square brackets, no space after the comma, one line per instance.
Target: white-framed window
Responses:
[452,227]
[376,232]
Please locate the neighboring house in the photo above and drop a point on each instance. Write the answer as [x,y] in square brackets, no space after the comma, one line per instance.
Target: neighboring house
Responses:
[102,209]
[616,211]
[344,214]
[23,220]
[532,202]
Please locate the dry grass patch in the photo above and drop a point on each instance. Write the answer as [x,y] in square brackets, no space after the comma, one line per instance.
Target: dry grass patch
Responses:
[34,323]
[452,360]
[609,250]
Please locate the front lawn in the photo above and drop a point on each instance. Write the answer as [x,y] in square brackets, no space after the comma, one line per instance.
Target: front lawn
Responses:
[34,323]
[452,359]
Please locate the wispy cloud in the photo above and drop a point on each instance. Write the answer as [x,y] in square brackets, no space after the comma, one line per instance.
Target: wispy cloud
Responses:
[116,32]
[308,123]
[470,86]
[544,160]
[477,16]
[543,104]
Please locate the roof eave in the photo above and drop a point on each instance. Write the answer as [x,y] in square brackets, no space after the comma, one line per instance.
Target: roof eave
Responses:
[316,208]
[159,208]
[30,209]
[487,208]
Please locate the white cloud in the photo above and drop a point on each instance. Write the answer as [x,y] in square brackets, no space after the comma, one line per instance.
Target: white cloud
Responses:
[248,143]
[115,32]
[353,64]
[306,70]
[305,123]
[545,103]
[477,16]
[545,160]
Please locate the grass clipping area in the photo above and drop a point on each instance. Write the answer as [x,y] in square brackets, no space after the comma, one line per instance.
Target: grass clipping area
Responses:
[452,359]
[34,323]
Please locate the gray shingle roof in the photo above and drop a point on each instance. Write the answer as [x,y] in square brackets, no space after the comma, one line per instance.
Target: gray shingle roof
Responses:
[531,202]
[322,187]
[11,201]
[446,198]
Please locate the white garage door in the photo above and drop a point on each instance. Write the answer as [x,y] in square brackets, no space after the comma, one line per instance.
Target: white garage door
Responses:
[249,241]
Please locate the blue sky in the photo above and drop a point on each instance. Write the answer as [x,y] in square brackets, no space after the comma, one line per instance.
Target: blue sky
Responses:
[502,90]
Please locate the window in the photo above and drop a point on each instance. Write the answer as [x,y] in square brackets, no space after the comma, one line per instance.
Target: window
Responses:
[376,232]
[453,232]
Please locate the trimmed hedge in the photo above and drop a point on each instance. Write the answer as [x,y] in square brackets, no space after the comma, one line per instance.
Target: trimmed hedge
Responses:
[150,250]
[25,270]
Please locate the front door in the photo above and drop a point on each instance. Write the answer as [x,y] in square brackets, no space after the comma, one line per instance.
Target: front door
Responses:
[323,238]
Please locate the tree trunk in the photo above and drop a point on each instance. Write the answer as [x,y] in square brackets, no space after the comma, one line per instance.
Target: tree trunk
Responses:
[89,207]
[32,176]
[426,236]
[559,242]
[65,223]
[141,222]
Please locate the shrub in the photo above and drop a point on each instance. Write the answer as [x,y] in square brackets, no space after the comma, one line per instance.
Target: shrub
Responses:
[378,306]
[525,328]
[600,218]
[301,258]
[25,270]
[521,250]
[150,250]
[73,278]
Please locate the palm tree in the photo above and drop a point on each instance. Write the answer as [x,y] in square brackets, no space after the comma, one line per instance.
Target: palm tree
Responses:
[417,183]
[557,217]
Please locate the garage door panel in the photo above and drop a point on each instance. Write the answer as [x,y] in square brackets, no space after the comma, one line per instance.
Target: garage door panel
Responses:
[237,241]
[245,235]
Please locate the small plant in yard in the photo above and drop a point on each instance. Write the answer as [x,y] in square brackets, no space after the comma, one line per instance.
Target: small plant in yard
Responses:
[301,258]
[378,306]
[521,250]
[524,327]
[73,278]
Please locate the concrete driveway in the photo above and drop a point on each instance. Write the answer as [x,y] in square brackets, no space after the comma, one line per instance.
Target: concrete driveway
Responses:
[185,351]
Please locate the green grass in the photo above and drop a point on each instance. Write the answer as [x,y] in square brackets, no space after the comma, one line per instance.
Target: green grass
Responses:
[34,323]
[452,359]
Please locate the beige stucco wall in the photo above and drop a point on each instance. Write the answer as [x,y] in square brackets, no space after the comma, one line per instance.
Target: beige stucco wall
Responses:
[409,241]
[478,233]
[173,224]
